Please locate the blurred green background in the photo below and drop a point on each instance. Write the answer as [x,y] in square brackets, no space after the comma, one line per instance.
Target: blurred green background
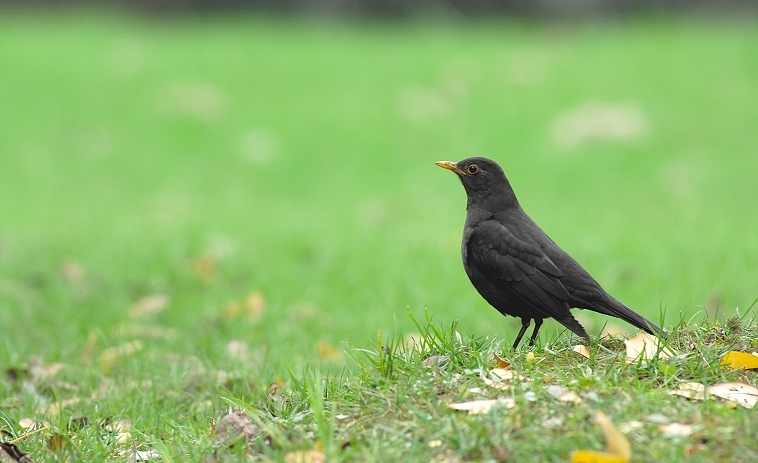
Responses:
[209,158]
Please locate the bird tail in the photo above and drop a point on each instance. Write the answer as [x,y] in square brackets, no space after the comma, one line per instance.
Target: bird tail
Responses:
[616,309]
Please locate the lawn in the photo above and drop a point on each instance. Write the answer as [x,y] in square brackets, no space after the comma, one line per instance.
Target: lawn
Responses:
[254,197]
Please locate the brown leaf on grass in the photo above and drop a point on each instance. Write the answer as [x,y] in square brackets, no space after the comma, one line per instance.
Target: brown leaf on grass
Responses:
[736,360]
[617,446]
[563,394]
[582,350]
[501,377]
[739,393]
[476,407]
[149,305]
[27,423]
[305,456]
[501,362]
[14,453]
[690,390]
[236,425]
[644,347]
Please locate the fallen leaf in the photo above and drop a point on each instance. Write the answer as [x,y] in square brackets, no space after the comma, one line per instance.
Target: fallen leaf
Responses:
[149,305]
[676,429]
[27,423]
[501,375]
[736,360]
[476,407]
[563,394]
[690,390]
[501,362]
[589,456]
[582,350]
[739,393]
[646,347]
[615,442]
[305,456]
[236,424]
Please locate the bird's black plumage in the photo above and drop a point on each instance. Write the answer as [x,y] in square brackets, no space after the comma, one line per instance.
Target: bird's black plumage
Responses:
[516,267]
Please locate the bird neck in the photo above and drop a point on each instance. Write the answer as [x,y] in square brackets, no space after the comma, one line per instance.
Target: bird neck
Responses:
[495,199]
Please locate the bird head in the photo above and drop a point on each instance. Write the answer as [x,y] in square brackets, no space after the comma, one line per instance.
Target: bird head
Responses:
[483,180]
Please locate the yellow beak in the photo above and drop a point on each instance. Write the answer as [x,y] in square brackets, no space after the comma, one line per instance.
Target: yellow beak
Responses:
[450,166]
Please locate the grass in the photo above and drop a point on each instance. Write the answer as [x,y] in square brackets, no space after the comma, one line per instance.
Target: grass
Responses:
[218,158]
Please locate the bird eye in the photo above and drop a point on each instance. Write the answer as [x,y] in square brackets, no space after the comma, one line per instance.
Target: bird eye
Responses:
[472,169]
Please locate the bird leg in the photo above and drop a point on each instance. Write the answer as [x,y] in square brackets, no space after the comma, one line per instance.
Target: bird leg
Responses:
[524,326]
[537,325]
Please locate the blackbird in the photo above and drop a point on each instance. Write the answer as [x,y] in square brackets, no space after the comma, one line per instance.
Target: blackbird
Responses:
[516,267]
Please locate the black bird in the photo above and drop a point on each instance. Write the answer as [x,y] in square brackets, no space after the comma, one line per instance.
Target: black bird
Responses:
[516,267]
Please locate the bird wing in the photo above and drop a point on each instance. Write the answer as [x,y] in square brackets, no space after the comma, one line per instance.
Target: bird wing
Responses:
[498,254]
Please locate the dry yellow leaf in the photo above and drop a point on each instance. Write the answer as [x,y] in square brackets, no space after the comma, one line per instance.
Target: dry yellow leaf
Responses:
[149,305]
[582,350]
[646,347]
[305,456]
[589,456]
[736,360]
[563,394]
[739,393]
[503,363]
[476,407]
[501,375]
[615,442]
